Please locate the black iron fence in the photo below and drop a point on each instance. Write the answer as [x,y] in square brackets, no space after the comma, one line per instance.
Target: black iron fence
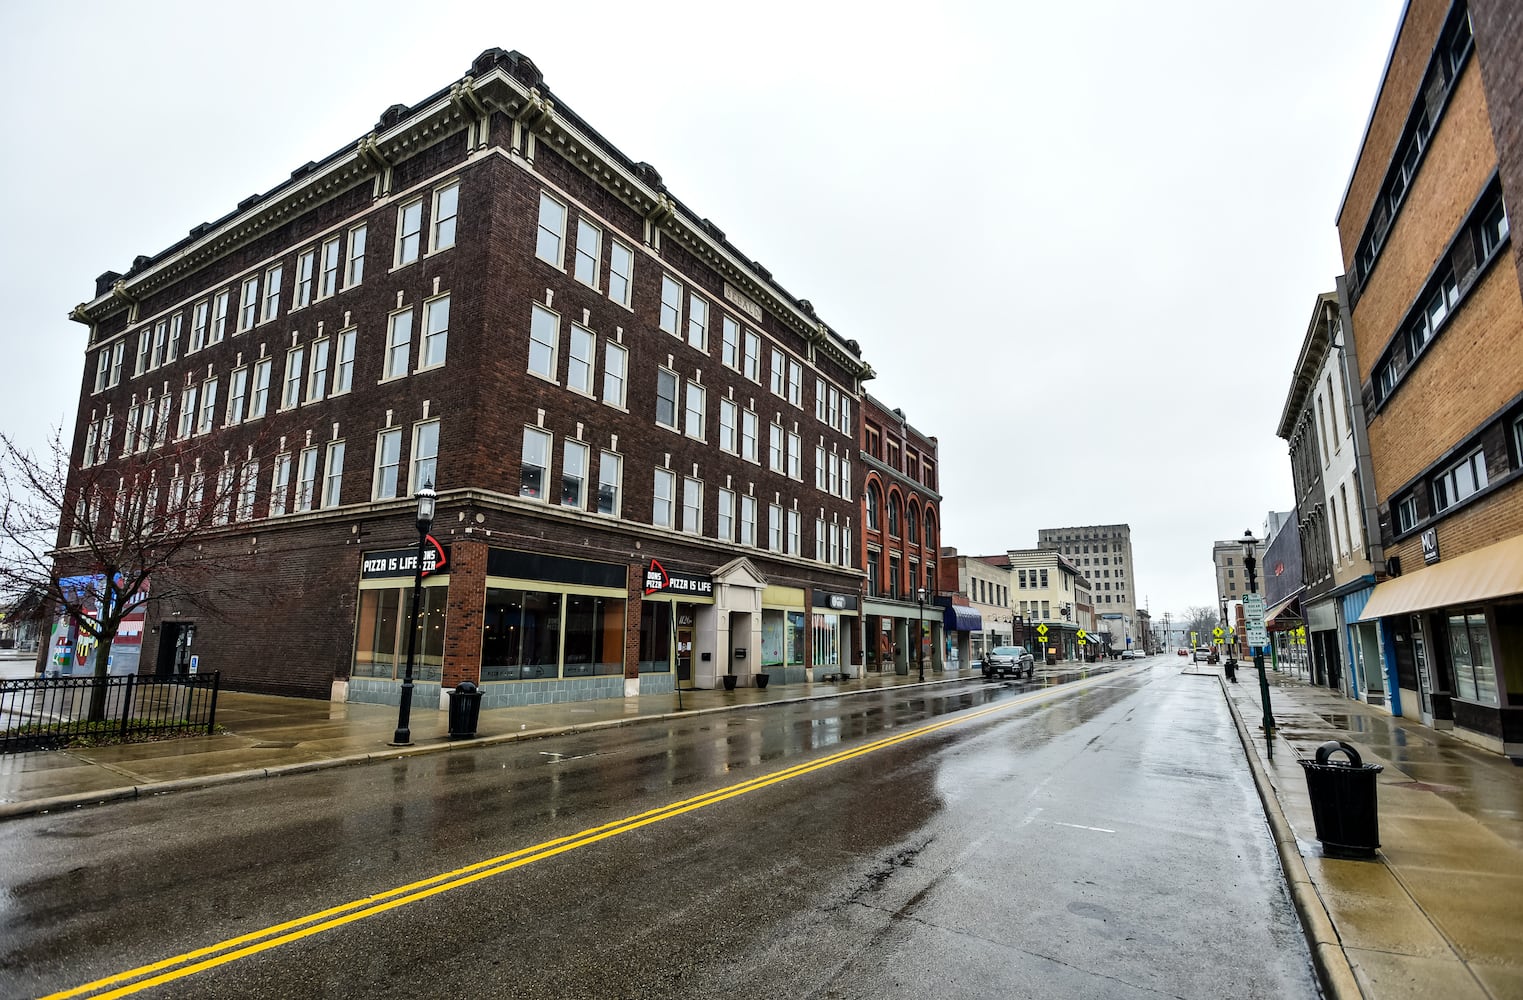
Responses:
[46,713]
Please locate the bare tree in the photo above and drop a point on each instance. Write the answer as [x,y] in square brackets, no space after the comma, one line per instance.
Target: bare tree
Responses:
[99,540]
[1201,619]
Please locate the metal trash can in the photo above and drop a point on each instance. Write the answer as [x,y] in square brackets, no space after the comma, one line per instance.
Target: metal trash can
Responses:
[464,710]
[1343,800]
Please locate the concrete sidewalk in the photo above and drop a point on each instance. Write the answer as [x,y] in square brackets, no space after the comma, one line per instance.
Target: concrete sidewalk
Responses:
[1439,911]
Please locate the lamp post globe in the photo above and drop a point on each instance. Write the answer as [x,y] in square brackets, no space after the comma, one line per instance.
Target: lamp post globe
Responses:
[424,522]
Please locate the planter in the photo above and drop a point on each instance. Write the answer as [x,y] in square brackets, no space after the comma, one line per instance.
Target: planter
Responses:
[729,682]
[762,679]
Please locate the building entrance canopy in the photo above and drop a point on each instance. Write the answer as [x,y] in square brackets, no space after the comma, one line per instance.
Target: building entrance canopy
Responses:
[1483,575]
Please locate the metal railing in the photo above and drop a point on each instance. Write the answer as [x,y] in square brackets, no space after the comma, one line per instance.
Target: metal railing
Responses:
[46,713]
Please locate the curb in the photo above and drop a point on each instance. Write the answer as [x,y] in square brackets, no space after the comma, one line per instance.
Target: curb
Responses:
[1334,972]
[75,800]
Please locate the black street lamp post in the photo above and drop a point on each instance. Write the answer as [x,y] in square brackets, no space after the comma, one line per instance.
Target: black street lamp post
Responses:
[1250,563]
[403,736]
[920,633]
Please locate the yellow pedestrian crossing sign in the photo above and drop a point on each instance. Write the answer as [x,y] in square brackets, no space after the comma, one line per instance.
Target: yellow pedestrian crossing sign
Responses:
[1041,630]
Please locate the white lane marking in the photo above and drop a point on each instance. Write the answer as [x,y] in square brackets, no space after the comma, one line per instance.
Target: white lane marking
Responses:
[1076,826]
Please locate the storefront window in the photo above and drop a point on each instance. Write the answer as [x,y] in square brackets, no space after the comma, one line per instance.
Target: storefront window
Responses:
[798,626]
[827,640]
[1475,675]
[656,637]
[772,639]
[380,648]
[594,635]
[520,637]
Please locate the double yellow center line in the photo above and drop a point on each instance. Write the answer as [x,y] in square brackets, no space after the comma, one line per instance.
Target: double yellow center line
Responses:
[245,945]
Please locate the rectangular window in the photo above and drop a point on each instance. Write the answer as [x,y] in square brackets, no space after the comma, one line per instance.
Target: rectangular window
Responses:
[388,463]
[328,283]
[280,485]
[589,252]
[795,533]
[534,466]
[795,457]
[698,322]
[261,388]
[845,426]
[398,344]
[574,474]
[621,267]
[775,527]
[200,316]
[748,435]
[610,480]
[692,506]
[1475,674]
[552,231]
[666,398]
[726,520]
[208,406]
[306,479]
[579,359]
[306,278]
[435,331]
[697,404]
[222,510]
[728,413]
[161,423]
[317,374]
[144,348]
[176,325]
[333,474]
[356,269]
[425,456]
[819,539]
[671,306]
[292,394]
[748,521]
[237,394]
[102,369]
[544,338]
[1464,479]
[778,372]
[409,232]
[795,383]
[343,376]
[819,399]
[752,359]
[248,305]
[730,342]
[160,338]
[129,438]
[446,205]
[775,448]
[247,488]
[663,496]
[116,362]
[1494,228]
[1044,579]
[187,416]
[615,358]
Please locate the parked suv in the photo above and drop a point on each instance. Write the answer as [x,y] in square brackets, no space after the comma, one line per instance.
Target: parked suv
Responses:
[1013,660]
[1202,654]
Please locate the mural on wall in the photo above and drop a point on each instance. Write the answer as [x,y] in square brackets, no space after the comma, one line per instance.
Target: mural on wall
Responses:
[72,648]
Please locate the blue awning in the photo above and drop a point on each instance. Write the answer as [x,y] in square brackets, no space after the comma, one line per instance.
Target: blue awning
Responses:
[960,619]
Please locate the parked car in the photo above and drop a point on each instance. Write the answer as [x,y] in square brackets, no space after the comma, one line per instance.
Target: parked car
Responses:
[1130,654]
[1202,654]
[1009,660]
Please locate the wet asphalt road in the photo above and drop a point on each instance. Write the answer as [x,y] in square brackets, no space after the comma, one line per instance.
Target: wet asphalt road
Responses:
[1101,839]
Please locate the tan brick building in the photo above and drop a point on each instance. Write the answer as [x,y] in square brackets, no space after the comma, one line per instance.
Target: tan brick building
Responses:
[1432,296]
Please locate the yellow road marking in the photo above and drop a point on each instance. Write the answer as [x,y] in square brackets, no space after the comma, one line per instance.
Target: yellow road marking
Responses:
[244,945]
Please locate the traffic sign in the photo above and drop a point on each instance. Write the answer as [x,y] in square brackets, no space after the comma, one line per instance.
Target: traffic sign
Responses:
[1253,609]
[1083,635]
[1041,630]
[1217,631]
[1081,642]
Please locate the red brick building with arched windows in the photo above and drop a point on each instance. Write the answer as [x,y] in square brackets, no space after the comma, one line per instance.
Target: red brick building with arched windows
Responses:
[900,532]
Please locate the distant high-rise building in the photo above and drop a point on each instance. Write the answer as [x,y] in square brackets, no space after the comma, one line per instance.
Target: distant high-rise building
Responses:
[1103,554]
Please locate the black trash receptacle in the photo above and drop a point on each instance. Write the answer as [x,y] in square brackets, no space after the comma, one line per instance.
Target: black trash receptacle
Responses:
[1343,800]
[464,710]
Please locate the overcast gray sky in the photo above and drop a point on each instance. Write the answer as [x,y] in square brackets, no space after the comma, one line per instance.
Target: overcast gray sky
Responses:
[1080,243]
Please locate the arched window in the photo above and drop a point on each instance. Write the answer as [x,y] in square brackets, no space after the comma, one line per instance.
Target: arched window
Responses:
[911,525]
[893,515]
[874,505]
[930,530]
